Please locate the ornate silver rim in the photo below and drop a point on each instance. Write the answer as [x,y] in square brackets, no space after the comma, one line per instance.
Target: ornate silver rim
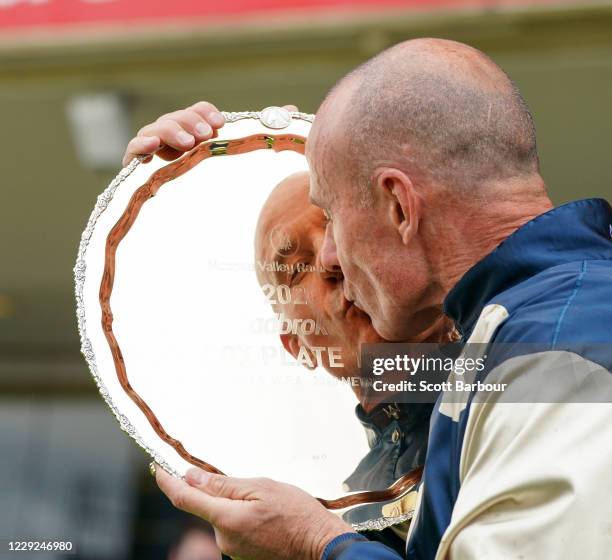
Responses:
[381,523]
[102,203]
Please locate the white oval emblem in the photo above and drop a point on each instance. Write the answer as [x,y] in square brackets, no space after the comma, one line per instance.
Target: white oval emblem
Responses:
[275,117]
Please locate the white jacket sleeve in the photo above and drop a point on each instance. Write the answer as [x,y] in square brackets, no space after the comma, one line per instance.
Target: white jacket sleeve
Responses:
[536,478]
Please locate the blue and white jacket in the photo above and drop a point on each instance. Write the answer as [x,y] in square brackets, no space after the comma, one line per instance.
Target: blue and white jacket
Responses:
[516,476]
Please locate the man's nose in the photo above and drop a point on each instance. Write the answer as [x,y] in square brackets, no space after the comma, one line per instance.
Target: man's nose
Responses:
[329,255]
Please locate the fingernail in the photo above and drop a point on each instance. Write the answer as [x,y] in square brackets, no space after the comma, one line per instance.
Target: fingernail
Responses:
[196,476]
[216,119]
[203,129]
[152,469]
[184,138]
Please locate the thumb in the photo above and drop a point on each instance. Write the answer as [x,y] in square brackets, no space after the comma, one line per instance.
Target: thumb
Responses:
[218,485]
[190,499]
[291,108]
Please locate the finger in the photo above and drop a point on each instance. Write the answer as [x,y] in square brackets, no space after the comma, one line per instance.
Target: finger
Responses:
[222,486]
[170,133]
[291,108]
[140,145]
[191,122]
[192,500]
[210,113]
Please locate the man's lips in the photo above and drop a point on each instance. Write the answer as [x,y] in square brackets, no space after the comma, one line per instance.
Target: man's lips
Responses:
[345,305]
[348,306]
[349,301]
[355,303]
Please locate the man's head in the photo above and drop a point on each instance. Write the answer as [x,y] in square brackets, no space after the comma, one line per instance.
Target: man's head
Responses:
[424,159]
[290,233]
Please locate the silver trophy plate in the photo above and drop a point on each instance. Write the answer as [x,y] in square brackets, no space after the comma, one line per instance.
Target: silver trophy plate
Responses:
[182,339]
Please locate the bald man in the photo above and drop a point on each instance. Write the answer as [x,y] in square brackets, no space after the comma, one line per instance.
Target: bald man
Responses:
[288,212]
[424,161]
[397,432]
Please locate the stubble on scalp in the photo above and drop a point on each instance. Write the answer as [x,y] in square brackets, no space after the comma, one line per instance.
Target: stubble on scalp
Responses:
[442,110]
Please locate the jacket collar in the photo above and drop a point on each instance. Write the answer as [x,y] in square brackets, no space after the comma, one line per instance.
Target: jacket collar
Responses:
[574,231]
[407,415]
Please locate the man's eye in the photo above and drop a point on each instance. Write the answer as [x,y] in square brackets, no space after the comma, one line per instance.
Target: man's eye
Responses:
[298,268]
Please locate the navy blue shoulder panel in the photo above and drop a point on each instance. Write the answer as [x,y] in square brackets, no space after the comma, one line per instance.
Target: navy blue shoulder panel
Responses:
[566,307]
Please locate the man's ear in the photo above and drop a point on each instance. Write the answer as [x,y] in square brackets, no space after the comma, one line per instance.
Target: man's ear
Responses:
[298,350]
[402,199]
